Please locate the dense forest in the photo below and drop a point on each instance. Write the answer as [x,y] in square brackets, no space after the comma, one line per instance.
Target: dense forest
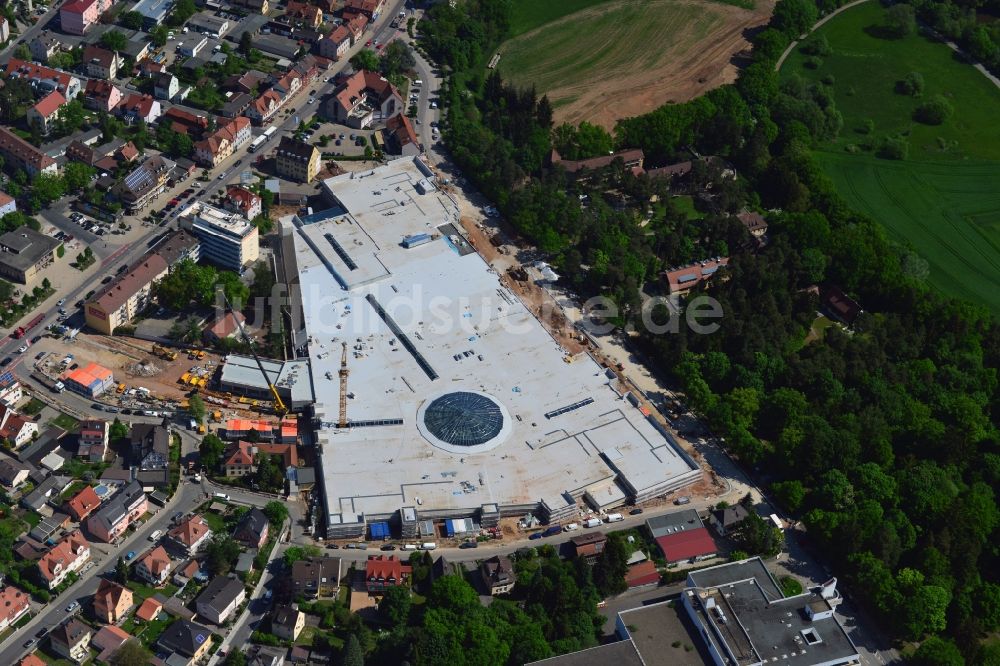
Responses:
[882,439]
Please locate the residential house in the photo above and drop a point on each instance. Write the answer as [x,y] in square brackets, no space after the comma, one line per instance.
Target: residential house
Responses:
[111,601]
[68,555]
[14,427]
[400,137]
[265,655]
[357,26]
[369,8]
[186,122]
[236,106]
[287,622]
[183,637]
[111,520]
[31,660]
[220,599]
[38,498]
[190,534]
[249,82]
[225,326]
[252,530]
[288,85]
[498,574]
[190,570]
[641,574]
[356,100]
[82,504]
[167,86]
[78,16]
[218,146]
[45,45]
[101,96]
[93,439]
[7,204]
[385,571]
[754,223]
[240,459]
[145,182]
[335,45]
[71,639]
[304,14]
[316,577]
[149,446]
[632,159]
[45,112]
[11,392]
[727,519]
[139,109]
[12,474]
[148,610]
[840,306]
[154,566]
[241,200]
[297,160]
[589,545]
[43,79]
[13,605]
[19,154]
[107,640]
[264,107]
[101,63]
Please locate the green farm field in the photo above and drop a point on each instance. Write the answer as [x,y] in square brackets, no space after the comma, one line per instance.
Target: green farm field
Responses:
[593,57]
[944,198]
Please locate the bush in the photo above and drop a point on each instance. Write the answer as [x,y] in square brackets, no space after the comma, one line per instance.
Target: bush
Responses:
[893,147]
[934,111]
[912,85]
[812,62]
[828,79]
[817,46]
[900,21]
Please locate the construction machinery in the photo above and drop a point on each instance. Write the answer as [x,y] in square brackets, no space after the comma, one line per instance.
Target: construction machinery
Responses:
[164,353]
[342,423]
[279,405]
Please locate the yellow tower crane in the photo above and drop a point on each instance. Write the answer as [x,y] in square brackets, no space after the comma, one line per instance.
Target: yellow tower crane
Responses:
[279,405]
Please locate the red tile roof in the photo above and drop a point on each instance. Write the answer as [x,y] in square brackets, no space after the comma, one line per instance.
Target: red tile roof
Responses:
[63,553]
[31,660]
[686,544]
[149,609]
[380,566]
[156,560]
[50,104]
[13,602]
[81,504]
[11,144]
[189,531]
[643,573]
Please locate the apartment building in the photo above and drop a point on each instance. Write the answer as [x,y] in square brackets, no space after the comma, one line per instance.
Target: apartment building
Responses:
[79,16]
[227,139]
[145,182]
[19,154]
[119,302]
[25,253]
[227,239]
[68,555]
[43,79]
[111,520]
[45,112]
[297,160]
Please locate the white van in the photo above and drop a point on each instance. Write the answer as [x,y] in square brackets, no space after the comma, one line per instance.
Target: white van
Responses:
[615,517]
[155,535]
[572,527]
[221,496]
[418,82]
[410,546]
[430,545]
[59,387]
[591,522]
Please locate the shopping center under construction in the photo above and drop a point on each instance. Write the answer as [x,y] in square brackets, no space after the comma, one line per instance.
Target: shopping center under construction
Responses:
[438,394]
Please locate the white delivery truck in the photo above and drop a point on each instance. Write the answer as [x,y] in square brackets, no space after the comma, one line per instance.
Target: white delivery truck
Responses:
[430,545]
[410,546]
[592,522]
[572,527]
[615,517]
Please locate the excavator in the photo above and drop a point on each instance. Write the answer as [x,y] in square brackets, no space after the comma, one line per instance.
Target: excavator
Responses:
[279,405]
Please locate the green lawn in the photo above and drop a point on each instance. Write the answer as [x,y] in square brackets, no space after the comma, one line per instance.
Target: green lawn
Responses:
[32,407]
[529,14]
[216,522]
[570,56]
[144,591]
[943,199]
[685,204]
[66,422]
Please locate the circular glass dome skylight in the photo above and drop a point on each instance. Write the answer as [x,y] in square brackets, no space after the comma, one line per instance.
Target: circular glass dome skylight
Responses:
[463,421]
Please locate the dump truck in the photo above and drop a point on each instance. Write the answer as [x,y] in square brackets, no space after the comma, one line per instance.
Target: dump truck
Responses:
[120,389]
[184,378]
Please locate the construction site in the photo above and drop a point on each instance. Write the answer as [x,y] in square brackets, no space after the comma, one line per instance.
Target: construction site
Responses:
[438,393]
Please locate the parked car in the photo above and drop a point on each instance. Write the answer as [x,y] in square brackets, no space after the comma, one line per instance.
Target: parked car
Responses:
[130,555]
[470,544]
[22,349]
[635,512]
[387,546]
[536,535]
[30,643]
[73,606]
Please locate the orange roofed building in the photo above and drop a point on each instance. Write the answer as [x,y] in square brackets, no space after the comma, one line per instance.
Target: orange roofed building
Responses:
[13,605]
[111,601]
[383,572]
[91,380]
[81,504]
[286,431]
[68,555]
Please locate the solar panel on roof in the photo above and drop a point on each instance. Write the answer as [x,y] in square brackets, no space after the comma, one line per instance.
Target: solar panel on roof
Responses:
[688,277]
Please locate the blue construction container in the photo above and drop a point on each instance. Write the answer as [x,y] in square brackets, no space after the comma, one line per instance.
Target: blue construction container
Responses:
[416,239]
[379,531]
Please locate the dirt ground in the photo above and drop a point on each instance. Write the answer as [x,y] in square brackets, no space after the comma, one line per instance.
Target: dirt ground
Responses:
[699,66]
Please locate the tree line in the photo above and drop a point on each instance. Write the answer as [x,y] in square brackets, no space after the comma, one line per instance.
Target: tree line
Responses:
[882,438]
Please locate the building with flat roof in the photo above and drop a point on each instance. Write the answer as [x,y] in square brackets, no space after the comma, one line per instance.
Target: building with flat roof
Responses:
[457,394]
[90,380]
[241,375]
[153,11]
[227,239]
[120,301]
[24,253]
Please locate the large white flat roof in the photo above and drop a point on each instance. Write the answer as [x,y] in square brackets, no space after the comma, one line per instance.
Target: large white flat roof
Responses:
[463,331]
